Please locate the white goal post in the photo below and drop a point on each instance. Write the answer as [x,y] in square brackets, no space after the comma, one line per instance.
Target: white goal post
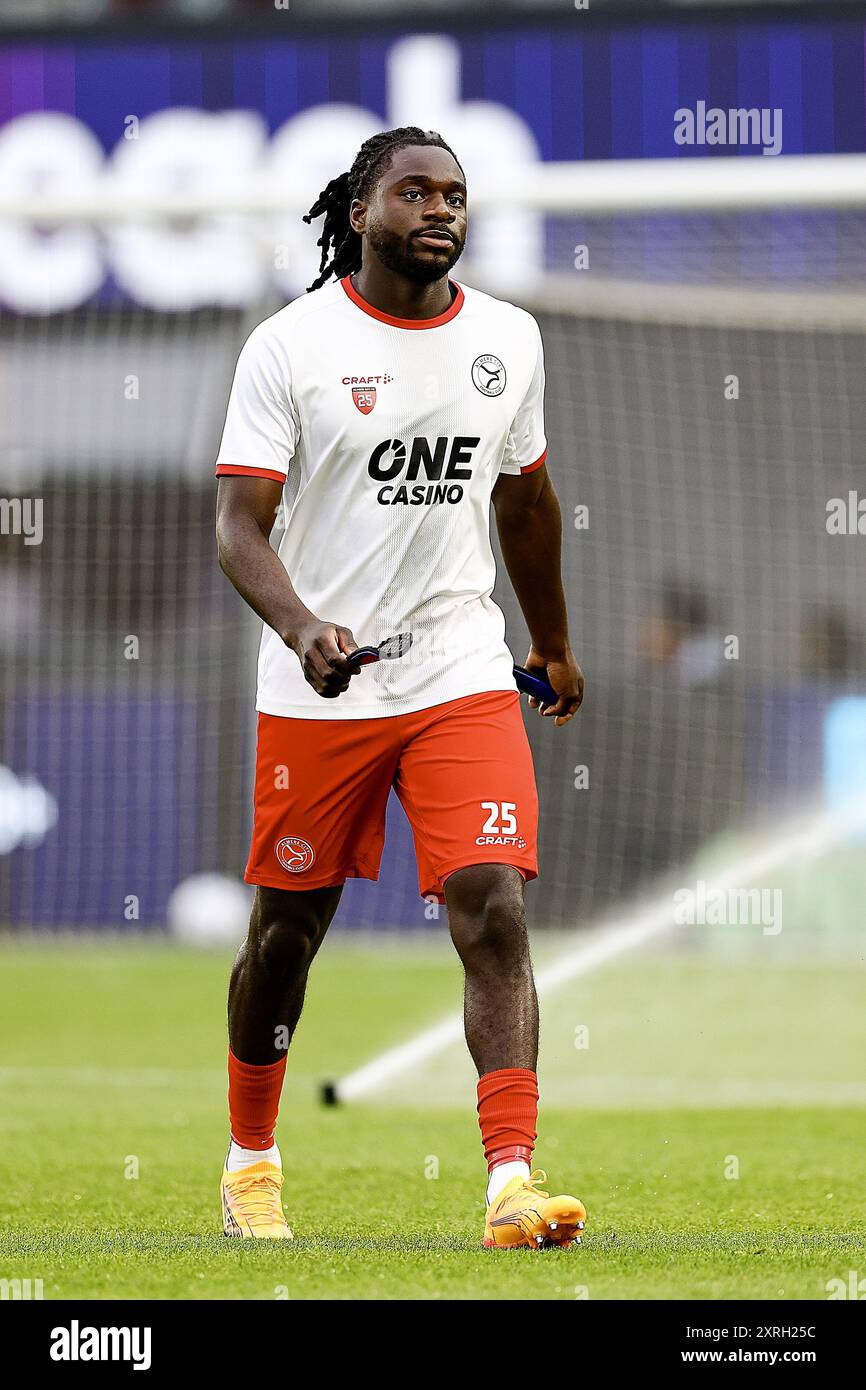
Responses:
[593,187]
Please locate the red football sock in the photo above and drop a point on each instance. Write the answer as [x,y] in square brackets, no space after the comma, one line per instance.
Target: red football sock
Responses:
[254,1101]
[507,1114]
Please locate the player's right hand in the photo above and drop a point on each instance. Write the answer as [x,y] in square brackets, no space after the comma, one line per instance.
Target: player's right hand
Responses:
[323,650]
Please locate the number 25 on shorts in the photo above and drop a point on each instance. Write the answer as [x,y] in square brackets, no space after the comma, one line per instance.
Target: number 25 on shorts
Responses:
[500,827]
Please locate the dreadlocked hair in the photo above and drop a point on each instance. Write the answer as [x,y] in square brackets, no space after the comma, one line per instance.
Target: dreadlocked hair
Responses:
[336,197]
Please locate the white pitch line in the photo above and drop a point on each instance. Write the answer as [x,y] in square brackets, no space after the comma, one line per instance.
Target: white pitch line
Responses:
[804,840]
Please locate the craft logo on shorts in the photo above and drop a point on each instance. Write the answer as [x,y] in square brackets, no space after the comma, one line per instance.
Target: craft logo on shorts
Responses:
[515,841]
[295,854]
[488,375]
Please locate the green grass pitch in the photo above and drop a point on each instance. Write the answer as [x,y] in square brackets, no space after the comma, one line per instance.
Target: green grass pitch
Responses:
[710,1112]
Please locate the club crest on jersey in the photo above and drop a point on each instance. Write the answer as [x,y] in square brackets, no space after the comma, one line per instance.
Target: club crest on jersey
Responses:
[295,854]
[488,375]
[364,398]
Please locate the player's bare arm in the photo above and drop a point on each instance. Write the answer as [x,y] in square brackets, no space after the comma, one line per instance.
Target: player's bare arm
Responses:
[529,524]
[246,507]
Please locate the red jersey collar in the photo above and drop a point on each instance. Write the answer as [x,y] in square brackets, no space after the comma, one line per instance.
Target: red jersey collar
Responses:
[436,322]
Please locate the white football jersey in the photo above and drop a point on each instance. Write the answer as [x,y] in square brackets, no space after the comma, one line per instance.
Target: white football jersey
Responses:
[389,434]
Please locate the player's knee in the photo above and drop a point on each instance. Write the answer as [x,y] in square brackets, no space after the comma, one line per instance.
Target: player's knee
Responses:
[487,918]
[284,935]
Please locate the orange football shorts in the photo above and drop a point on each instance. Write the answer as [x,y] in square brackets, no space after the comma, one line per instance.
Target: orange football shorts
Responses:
[462,770]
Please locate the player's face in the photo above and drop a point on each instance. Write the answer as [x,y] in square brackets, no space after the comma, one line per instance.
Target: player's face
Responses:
[416,217]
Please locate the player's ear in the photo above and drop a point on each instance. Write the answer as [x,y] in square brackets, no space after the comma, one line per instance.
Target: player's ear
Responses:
[358,216]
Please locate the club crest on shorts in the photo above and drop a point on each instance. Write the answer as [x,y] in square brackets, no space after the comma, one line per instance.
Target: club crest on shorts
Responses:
[364,398]
[295,854]
[488,375]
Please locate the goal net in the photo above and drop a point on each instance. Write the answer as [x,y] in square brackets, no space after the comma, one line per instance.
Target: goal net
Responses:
[706,410]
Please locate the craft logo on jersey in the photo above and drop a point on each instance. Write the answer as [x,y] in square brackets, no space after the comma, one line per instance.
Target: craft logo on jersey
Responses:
[488,375]
[295,854]
[364,390]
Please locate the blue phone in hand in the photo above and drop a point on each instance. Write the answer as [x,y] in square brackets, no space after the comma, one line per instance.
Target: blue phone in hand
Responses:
[531,684]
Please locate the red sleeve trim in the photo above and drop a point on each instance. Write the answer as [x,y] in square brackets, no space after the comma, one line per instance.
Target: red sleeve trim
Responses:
[236,470]
[531,467]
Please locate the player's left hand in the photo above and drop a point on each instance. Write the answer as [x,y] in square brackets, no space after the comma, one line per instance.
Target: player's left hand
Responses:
[566,677]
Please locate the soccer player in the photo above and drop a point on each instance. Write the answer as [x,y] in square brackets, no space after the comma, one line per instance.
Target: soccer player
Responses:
[392,404]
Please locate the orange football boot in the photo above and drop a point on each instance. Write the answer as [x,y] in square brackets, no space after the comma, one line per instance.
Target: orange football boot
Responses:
[251,1203]
[522,1215]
